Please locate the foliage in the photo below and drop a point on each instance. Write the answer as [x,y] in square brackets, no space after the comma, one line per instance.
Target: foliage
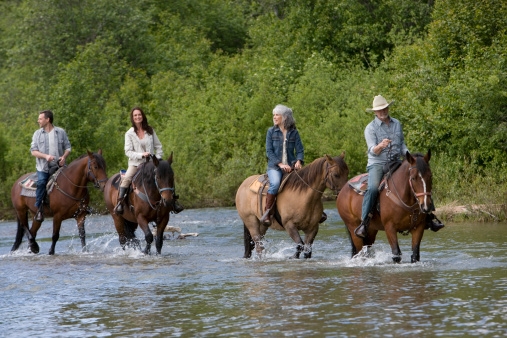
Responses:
[209,72]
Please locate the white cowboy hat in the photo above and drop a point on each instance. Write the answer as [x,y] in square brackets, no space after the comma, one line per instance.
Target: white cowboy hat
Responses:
[379,103]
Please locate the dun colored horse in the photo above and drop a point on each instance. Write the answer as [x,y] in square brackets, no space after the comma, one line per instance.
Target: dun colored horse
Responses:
[150,199]
[404,201]
[68,198]
[298,205]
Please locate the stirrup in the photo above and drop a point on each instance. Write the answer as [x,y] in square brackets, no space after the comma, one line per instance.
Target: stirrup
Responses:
[266,218]
[118,209]
[436,224]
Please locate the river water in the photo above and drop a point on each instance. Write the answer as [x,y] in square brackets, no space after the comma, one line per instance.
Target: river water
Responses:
[202,287]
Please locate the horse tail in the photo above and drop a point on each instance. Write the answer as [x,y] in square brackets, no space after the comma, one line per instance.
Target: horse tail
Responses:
[19,233]
[249,243]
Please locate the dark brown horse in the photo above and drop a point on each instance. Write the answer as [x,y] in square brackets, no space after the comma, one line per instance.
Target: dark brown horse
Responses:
[298,205]
[151,199]
[68,199]
[403,204]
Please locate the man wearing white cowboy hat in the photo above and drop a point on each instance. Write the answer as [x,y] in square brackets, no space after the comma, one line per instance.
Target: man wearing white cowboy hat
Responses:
[386,143]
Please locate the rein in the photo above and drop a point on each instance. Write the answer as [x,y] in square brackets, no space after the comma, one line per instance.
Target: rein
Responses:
[96,182]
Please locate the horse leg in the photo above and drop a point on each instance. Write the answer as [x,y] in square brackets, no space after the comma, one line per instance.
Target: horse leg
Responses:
[393,242]
[32,234]
[148,236]
[248,241]
[80,219]
[294,234]
[416,244]
[57,223]
[309,238]
[159,240]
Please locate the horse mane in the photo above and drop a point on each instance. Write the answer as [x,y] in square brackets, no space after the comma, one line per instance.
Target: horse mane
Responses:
[148,176]
[98,158]
[304,178]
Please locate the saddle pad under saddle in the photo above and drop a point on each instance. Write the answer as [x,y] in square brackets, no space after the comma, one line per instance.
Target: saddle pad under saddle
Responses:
[29,184]
[262,182]
[359,183]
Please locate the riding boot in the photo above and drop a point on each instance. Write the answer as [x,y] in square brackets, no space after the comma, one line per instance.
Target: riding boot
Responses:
[268,209]
[39,216]
[433,223]
[362,230]
[323,217]
[121,196]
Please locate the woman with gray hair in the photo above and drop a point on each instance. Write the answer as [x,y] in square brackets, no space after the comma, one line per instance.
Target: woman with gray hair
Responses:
[284,151]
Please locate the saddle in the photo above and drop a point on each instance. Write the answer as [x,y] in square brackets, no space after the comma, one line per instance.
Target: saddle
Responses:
[261,184]
[29,184]
[359,183]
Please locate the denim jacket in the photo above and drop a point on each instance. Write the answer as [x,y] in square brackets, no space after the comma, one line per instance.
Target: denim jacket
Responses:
[274,147]
[40,142]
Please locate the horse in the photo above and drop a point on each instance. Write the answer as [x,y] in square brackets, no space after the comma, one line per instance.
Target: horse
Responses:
[403,202]
[68,198]
[298,204]
[150,199]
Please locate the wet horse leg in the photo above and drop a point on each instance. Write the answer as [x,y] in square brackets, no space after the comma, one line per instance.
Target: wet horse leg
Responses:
[80,219]
[294,234]
[309,238]
[417,235]
[57,223]
[32,234]
[248,241]
[148,236]
[392,237]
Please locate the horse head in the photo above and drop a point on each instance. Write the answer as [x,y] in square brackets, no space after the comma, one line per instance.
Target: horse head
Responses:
[337,172]
[164,179]
[96,171]
[420,179]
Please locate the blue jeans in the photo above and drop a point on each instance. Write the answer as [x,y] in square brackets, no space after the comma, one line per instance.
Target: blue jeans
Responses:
[42,181]
[275,177]
[375,174]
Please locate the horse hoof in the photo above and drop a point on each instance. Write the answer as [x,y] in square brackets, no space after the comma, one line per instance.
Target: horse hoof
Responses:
[34,247]
[397,259]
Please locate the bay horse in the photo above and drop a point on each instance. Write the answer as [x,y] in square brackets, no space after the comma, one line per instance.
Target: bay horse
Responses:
[403,202]
[150,199]
[298,204]
[68,198]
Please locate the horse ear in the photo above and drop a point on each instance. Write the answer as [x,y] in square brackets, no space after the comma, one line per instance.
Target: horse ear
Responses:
[343,155]
[427,157]
[170,159]
[409,158]
[329,159]
[90,154]
[155,160]
[99,151]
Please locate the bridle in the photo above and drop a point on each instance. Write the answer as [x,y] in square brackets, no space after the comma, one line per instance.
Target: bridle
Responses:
[326,180]
[96,182]
[144,196]
[399,201]
[89,171]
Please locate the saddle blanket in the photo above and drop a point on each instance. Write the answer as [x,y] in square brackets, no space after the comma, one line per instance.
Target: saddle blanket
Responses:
[359,183]
[262,182]
[29,184]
